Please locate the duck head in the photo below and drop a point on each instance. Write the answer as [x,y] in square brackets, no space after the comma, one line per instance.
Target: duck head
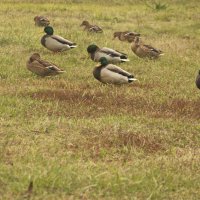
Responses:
[35,56]
[103,61]
[92,48]
[48,30]
[36,18]
[85,23]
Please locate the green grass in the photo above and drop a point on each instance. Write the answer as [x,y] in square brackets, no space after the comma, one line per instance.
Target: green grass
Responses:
[75,138]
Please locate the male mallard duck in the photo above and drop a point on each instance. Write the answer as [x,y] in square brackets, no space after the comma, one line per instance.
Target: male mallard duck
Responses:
[198,80]
[41,21]
[41,67]
[91,28]
[125,36]
[144,51]
[55,43]
[109,73]
[111,55]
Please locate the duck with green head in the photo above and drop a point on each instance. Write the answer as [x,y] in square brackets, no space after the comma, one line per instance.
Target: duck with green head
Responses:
[55,43]
[145,51]
[111,74]
[198,80]
[111,55]
[42,67]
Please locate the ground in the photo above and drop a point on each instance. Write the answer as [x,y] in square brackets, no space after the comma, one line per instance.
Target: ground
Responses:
[71,137]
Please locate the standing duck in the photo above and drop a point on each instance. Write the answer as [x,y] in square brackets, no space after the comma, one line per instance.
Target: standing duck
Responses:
[41,21]
[41,67]
[125,36]
[109,73]
[55,43]
[198,80]
[111,55]
[91,28]
[145,51]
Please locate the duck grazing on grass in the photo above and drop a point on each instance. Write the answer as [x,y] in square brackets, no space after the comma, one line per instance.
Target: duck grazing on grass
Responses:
[111,74]
[111,55]
[55,43]
[91,28]
[41,21]
[125,36]
[41,67]
[145,51]
[198,80]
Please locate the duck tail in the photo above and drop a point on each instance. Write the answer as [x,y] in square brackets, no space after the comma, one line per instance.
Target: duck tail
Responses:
[73,46]
[131,80]
[124,59]
[61,71]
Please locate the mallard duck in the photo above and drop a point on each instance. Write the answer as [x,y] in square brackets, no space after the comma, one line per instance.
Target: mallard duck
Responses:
[109,73]
[145,51]
[198,80]
[41,21]
[41,67]
[111,55]
[91,28]
[125,36]
[55,43]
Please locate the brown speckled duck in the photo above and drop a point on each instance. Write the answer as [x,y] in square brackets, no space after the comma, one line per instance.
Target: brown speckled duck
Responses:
[198,80]
[41,21]
[125,36]
[145,51]
[111,74]
[42,67]
[91,28]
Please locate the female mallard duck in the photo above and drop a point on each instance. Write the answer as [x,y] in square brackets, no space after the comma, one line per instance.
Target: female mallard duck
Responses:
[41,21]
[126,36]
[198,80]
[111,55]
[145,51]
[55,43]
[91,28]
[41,67]
[109,73]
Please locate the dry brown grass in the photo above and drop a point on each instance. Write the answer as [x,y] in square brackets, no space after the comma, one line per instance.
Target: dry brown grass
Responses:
[99,103]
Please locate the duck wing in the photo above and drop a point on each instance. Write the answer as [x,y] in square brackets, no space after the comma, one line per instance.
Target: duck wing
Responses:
[119,70]
[113,53]
[95,28]
[48,65]
[43,19]
[152,49]
[62,40]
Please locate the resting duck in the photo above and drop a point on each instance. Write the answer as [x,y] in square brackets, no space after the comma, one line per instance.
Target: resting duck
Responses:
[91,28]
[109,73]
[145,51]
[125,36]
[111,55]
[41,21]
[55,43]
[41,67]
[198,80]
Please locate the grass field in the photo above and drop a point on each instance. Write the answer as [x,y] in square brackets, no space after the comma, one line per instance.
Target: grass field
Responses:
[73,137]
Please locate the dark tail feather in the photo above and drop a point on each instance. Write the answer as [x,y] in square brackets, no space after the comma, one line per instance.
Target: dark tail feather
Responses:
[123,57]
